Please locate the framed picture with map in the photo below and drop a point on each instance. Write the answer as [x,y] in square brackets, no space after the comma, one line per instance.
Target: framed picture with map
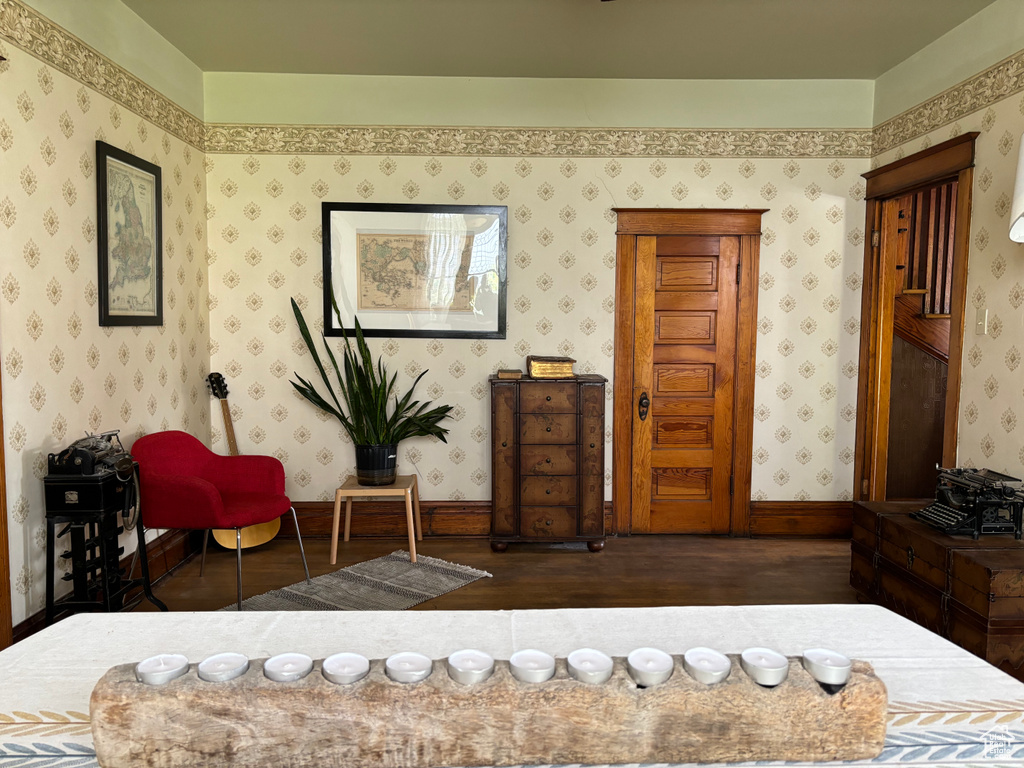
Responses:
[129,234]
[415,270]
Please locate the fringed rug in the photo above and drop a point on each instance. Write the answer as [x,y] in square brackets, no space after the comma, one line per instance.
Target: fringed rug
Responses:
[389,583]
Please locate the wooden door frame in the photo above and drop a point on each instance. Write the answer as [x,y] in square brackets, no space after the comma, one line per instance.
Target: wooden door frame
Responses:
[744,223]
[953,159]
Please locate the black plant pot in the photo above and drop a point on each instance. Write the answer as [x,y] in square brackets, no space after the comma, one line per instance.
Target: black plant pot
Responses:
[375,464]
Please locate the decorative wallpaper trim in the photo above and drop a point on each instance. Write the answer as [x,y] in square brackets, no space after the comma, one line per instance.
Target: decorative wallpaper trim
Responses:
[534,142]
[983,90]
[54,45]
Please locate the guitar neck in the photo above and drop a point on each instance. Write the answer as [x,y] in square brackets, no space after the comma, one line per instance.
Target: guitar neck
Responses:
[229,428]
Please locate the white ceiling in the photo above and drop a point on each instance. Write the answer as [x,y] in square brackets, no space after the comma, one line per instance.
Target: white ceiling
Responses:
[679,39]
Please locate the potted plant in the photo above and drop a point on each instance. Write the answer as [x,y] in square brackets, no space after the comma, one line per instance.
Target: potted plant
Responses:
[369,407]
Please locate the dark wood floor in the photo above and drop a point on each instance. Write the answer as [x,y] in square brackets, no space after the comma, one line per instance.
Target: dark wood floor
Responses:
[634,571]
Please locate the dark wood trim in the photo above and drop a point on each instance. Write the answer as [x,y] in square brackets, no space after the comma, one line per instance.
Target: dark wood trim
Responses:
[689,221]
[622,407]
[385,519]
[6,616]
[812,519]
[957,317]
[166,552]
[743,405]
[943,161]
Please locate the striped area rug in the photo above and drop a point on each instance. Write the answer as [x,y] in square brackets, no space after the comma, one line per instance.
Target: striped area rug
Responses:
[389,583]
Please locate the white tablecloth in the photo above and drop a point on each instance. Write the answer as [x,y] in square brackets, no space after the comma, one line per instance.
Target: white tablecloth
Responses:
[947,707]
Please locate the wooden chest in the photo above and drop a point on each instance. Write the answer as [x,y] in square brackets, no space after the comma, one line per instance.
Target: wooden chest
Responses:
[547,460]
[969,591]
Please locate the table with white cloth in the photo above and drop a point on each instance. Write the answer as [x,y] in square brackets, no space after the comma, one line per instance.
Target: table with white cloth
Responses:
[946,706]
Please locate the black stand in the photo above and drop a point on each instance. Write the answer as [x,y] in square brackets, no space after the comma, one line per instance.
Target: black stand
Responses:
[98,582]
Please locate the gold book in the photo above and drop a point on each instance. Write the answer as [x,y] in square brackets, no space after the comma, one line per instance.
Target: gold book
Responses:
[549,367]
[509,373]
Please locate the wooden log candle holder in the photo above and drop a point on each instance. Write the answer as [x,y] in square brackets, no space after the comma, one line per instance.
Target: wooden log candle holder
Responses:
[253,721]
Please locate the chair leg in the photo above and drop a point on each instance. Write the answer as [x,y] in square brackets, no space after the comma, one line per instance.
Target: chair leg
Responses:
[302,551]
[238,550]
[202,560]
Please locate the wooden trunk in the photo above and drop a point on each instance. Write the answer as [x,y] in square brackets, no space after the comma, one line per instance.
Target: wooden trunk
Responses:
[969,591]
[252,721]
[547,460]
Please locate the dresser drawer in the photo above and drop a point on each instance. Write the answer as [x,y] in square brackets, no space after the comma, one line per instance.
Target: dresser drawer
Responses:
[558,489]
[547,460]
[547,397]
[547,522]
[547,428]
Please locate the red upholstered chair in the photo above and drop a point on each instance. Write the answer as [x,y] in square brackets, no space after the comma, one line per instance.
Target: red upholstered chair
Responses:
[186,485]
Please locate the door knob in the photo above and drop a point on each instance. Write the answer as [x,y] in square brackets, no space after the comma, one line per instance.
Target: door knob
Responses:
[642,405]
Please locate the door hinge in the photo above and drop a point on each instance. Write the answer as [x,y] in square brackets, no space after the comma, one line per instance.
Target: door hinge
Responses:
[732,488]
[876,238]
[739,268]
[865,486]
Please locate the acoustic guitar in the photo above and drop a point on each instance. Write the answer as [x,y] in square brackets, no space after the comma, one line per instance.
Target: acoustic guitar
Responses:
[253,535]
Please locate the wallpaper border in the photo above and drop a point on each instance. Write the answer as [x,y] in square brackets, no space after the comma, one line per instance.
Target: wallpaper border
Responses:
[47,41]
[973,94]
[51,43]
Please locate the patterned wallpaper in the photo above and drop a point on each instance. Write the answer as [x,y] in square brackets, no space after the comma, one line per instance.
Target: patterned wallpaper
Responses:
[265,248]
[242,236]
[992,374]
[62,373]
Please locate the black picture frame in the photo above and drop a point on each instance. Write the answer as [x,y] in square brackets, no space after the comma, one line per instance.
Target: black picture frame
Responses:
[130,234]
[415,271]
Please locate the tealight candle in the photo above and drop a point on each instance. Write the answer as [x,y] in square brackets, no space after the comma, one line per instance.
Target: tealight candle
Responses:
[160,669]
[287,667]
[532,666]
[826,666]
[408,667]
[345,668]
[222,667]
[649,666]
[706,665]
[589,666]
[765,666]
[469,666]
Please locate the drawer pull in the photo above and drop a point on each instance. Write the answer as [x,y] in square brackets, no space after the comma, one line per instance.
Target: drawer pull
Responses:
[547,522]
[548,398]
[591,445]
[549,429]
[504,444]
[547,461]
[548,492]
[910,558]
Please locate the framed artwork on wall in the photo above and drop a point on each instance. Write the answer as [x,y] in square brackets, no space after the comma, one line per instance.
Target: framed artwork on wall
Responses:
[129,224]
[415,270]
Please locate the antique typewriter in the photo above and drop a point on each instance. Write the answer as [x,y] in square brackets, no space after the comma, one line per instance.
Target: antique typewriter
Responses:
[973,502]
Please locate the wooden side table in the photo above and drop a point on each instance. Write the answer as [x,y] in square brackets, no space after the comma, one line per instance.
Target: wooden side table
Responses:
[404,485]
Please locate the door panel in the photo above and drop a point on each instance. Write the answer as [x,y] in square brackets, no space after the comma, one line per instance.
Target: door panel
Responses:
[684,361]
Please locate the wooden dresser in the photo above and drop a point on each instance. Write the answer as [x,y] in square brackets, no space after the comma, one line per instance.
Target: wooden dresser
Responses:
[547,460]
[969,591]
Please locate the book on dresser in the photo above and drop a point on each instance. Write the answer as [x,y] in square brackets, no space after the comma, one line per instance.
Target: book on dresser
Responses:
[547,460]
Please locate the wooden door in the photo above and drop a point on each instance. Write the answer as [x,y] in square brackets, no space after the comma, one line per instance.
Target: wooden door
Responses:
[684,361]
[684,394]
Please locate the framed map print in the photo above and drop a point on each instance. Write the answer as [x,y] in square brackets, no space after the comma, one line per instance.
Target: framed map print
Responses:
[415,270]
[129,228]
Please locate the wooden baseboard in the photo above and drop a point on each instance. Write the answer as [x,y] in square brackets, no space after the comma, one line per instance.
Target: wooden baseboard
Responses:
[386,519]
[818,519]
[166,552]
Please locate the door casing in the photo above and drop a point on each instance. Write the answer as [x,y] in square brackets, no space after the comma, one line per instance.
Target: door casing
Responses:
[953,159]
[633,222]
